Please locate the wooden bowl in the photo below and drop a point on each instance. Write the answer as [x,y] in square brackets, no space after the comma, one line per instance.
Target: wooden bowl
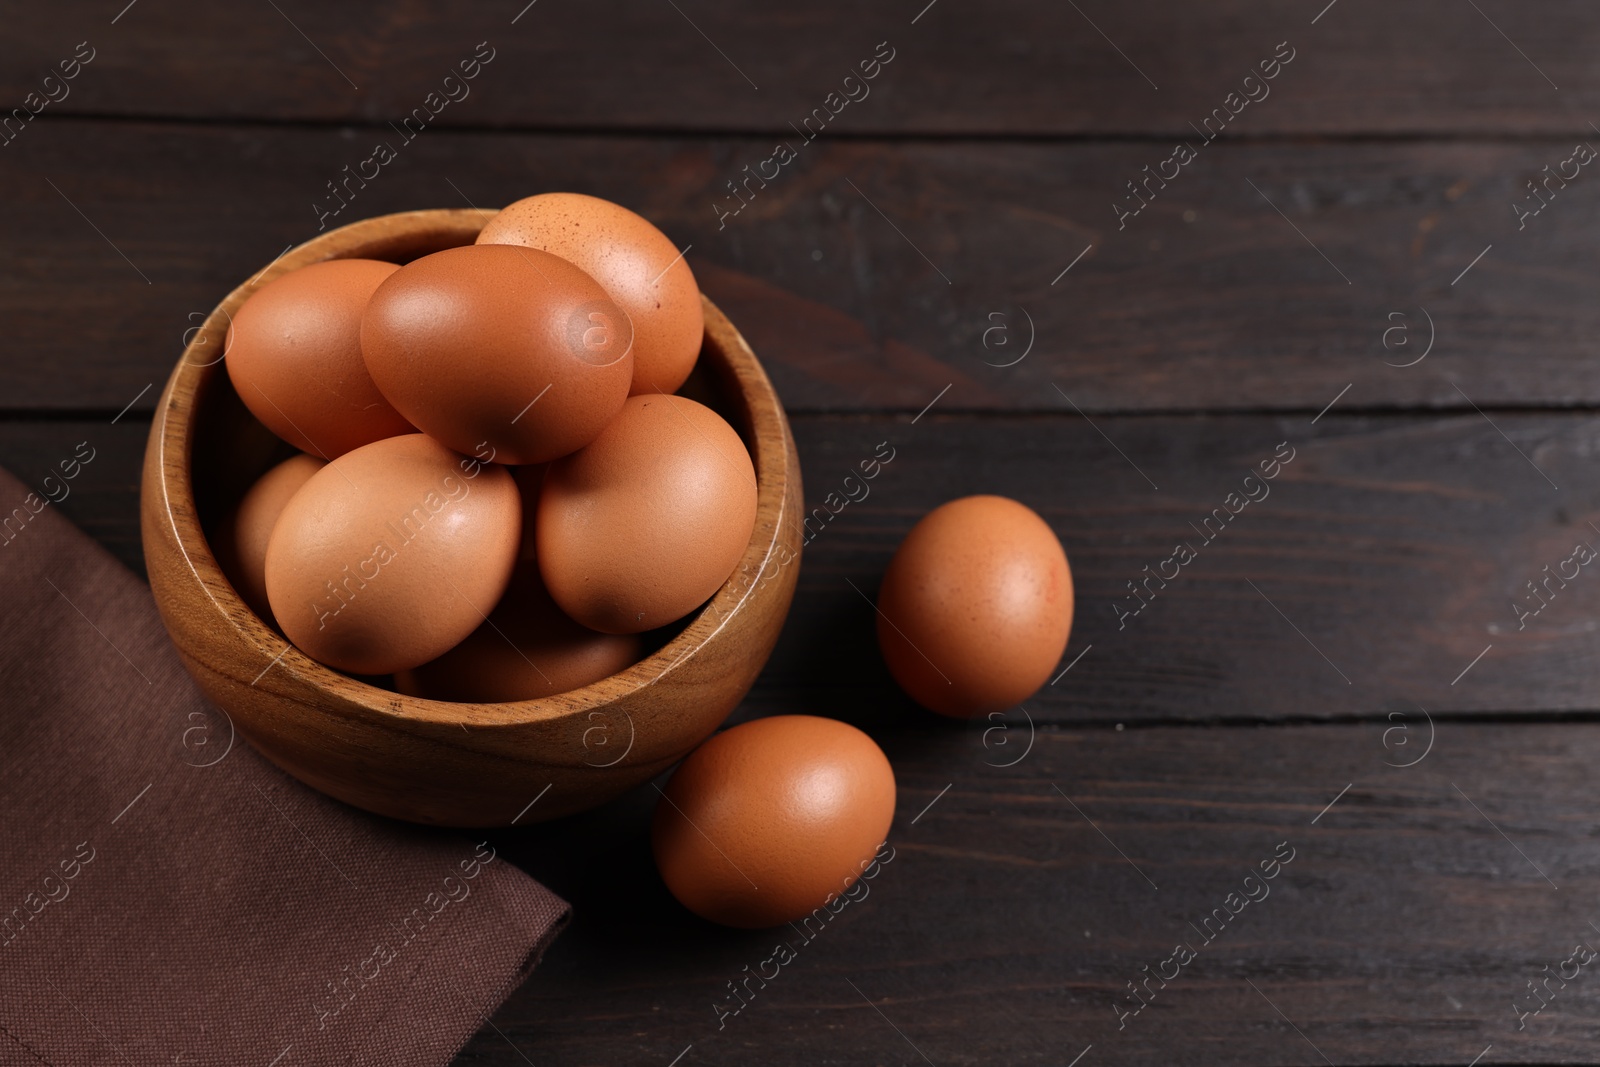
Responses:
[431,761]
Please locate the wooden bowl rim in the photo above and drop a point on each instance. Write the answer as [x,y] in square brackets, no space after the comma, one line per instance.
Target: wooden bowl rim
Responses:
[748,380]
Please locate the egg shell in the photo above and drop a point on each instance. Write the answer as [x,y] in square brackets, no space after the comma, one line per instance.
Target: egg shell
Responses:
[633,261]
[643,525]
[766,822]
[507,353]
[294,357]
[976,606]
[241,546]
[528,649]
[391,555]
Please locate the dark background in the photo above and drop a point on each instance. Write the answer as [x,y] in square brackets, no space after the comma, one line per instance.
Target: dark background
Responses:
[1351,637]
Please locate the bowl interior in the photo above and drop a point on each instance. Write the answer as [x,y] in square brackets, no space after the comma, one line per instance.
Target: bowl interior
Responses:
[228,449]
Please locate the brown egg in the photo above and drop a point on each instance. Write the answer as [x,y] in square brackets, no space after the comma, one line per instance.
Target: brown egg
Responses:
[499,351]
[640,527]
[633,261]
[768,821]
[242,540]
[294,356]
[526,650]
[975,607]
[391,555]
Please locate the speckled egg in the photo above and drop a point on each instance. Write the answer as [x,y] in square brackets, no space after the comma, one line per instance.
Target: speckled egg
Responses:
[636,263]
[498,351]
[976,606]
[773,819]
[392,554]
[294,357]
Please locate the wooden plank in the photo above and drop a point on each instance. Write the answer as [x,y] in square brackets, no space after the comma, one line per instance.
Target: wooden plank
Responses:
[1007,68]
[102,496]
[126,234]
[1390,552]
[1400,931]
[1381,563]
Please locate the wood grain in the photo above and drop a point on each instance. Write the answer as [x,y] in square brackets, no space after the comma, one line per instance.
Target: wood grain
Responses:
[1397,544]
[1376,181]
[1007,925]
[104,498]
[1004,68]
[1233,310]
[1384,560]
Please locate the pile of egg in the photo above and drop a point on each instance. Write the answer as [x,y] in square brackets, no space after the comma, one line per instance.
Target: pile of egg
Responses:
[497,491]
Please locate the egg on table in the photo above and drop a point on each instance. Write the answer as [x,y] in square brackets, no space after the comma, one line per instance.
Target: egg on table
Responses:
[976,606]
[768,821]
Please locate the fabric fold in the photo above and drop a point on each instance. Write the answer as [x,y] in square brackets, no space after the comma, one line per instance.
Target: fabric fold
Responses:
[167,896]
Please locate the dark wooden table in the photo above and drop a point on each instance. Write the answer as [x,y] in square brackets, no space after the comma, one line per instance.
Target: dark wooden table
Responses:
[1351,672]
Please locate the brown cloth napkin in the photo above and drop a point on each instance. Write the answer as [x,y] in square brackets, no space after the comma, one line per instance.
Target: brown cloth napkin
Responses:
[169,897]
